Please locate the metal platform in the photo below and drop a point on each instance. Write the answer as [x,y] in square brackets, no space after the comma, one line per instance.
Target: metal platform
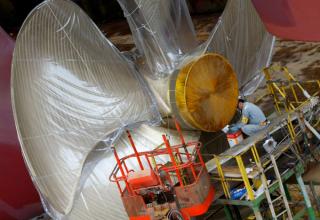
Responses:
[233,166]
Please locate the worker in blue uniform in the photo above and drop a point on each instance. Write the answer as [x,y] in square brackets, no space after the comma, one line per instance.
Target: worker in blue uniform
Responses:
[253,119]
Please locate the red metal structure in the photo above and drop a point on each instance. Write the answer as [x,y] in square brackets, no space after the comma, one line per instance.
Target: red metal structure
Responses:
[18,197]
[291,19]
[171,183]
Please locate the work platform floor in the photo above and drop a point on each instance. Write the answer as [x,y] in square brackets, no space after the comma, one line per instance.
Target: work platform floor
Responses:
[220,147]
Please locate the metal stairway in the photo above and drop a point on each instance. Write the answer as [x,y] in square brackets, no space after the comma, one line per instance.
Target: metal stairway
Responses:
[282,195]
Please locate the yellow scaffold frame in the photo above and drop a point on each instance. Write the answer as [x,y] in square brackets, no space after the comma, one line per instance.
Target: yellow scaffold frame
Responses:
[244,176]
[288,104]
[279,90]
[255,164]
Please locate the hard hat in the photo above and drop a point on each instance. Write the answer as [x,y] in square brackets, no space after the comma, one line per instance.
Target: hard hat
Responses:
[241,98]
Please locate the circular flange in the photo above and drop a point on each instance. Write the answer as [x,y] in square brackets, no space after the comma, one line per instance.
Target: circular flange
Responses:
[206,92]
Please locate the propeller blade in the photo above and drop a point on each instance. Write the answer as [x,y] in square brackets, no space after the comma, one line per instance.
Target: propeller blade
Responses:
[162,30]
[241,37]
[72,89]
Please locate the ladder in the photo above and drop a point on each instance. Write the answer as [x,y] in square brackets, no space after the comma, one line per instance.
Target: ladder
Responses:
[282,191]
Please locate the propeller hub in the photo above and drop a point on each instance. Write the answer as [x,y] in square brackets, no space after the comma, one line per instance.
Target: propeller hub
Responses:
[206,91]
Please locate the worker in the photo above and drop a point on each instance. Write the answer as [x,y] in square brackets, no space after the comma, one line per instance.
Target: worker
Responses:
[253,119]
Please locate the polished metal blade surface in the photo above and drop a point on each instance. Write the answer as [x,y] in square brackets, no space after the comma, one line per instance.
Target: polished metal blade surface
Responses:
[71,89]
[242,38]
[162,30]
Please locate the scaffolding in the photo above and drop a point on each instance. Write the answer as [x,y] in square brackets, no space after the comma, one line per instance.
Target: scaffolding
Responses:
[257,171]
[243,165]
[287,92]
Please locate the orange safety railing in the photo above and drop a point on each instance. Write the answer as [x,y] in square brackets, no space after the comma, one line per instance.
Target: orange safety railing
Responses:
[181,159]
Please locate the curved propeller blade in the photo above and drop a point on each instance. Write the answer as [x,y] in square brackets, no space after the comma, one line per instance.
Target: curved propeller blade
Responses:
[162,30]
[241,37]
[72,89]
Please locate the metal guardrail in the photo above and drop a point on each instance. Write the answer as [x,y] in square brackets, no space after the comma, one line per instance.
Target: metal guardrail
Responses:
[290,107]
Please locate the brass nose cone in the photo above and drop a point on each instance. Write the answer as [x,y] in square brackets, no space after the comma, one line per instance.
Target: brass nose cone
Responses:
[206,92]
